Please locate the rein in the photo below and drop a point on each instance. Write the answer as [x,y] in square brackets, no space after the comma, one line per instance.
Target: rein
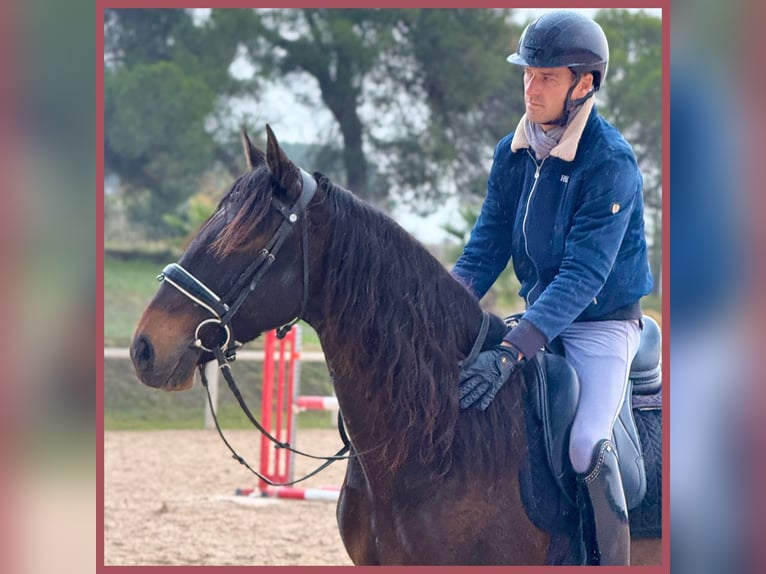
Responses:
[225,368]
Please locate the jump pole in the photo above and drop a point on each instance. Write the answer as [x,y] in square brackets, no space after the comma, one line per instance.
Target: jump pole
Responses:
[313,403]
[328,494]
[279,404]
[276,404]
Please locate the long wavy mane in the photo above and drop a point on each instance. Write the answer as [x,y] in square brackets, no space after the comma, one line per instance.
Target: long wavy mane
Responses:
[393,304]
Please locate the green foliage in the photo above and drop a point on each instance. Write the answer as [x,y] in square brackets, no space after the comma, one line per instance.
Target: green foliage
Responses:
[138,36]
[154,135]
[159,99]
[471,96]
[420,97]
[435,78]
[191,215]
[461,54]
[135,37]
[163,81]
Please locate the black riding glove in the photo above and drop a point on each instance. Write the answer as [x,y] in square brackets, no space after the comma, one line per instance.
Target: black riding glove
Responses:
[480,381]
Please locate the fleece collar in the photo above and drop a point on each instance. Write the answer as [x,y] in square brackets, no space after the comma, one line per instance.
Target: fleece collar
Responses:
[567,147]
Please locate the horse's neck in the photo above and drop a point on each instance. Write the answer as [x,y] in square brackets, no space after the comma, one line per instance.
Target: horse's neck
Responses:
[392,322]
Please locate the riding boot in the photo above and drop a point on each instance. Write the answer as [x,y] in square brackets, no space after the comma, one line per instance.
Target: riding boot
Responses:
[603,503]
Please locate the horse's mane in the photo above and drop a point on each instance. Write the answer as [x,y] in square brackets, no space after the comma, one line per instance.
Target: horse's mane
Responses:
[394,305]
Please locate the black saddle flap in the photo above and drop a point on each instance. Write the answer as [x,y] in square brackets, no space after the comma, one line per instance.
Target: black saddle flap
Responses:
[556,397]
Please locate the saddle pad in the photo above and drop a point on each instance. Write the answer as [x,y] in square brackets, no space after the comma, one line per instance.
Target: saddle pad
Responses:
[646,519]
[543,500]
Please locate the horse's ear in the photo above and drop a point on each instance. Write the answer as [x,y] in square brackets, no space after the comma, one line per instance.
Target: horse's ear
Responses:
[253,155]
[284,171]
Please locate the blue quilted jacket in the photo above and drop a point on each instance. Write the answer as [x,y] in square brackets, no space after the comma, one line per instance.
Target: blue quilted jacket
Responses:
[572,224]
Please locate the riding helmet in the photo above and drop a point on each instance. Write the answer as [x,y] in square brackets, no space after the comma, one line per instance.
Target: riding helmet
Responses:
[564,38]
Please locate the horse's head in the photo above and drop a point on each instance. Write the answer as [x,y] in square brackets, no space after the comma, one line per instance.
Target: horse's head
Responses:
[243,273]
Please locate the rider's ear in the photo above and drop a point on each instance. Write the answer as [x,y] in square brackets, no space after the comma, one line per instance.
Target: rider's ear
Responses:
[254,156]
[284,172]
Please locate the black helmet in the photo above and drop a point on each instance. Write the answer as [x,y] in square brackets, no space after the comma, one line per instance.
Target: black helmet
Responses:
[564,38]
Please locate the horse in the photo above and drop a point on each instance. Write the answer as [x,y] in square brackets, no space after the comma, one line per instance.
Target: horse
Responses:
[426,483]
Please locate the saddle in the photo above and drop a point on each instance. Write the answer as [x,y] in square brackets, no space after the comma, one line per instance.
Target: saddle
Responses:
[555,398]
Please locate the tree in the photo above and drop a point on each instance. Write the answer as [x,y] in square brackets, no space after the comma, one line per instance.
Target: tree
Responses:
[155,138]
[420,96]
[473,97]
[432,77]
[163,80]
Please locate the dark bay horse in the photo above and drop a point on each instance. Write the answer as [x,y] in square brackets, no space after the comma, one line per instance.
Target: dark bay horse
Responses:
[431,485]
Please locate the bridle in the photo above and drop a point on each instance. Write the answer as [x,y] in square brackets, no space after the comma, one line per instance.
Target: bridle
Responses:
[223,313]
[222,344]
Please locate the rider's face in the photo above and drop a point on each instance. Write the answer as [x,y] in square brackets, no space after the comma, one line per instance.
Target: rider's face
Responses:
[545,91]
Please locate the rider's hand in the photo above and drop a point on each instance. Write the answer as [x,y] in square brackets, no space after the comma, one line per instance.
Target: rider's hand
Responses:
[480,381]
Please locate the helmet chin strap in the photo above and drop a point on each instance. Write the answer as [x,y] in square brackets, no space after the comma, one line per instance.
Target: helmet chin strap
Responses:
[570,104]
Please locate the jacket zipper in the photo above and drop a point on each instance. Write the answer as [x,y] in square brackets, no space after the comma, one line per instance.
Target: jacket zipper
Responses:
[524,223]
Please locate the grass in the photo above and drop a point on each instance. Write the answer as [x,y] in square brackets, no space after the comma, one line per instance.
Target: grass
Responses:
[227,418]
[130,405]
[128,288]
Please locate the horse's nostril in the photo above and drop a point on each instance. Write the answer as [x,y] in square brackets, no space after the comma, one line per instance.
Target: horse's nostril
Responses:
[142,352]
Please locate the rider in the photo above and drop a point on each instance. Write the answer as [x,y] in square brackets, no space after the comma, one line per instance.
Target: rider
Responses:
[564,203]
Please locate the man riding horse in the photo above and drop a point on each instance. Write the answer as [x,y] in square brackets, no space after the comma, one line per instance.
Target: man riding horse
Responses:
[564,204]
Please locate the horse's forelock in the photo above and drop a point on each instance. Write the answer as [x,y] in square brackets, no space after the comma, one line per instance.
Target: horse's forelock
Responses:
[249,200]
